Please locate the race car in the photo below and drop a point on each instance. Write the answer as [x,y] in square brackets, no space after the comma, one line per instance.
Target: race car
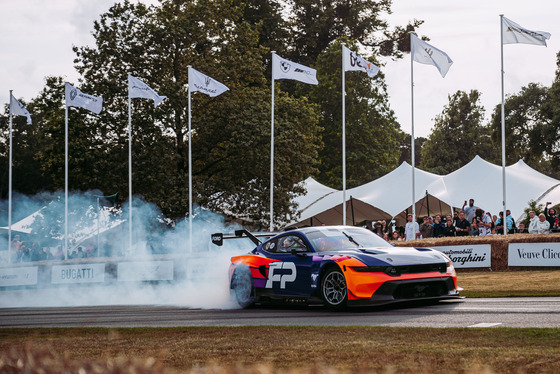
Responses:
[339,266]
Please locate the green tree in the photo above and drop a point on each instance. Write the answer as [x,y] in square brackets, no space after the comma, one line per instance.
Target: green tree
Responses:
[406,146]
[458,135]
[525,121]
[230,144]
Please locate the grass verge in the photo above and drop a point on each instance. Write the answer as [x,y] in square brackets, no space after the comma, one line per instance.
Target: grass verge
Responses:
[282,349]
[509,283]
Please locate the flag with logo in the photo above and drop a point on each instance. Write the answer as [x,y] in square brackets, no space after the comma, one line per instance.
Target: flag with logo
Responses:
[77,98]
[139,89]
[352,61]
[203,83]
[425,53]
[285,69]
[513,33]
[18,109]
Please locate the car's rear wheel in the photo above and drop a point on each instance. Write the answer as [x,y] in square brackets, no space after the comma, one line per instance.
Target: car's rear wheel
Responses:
[243,288]
[333,289]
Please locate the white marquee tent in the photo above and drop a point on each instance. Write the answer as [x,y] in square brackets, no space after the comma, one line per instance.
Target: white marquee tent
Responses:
[389,196]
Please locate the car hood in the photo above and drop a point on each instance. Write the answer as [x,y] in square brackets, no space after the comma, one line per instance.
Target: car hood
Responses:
[392,256]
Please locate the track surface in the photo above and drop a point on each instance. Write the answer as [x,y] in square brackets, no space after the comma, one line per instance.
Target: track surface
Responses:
[507,312]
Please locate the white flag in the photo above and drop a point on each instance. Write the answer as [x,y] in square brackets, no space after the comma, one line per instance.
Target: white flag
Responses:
[513,33]
[77,98]
[285,69]
[425,53]
[352,61]
[139,89]
[203,83]
[18,109]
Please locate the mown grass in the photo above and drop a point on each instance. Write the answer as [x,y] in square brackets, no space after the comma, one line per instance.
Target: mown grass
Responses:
[509,283]
[291,349]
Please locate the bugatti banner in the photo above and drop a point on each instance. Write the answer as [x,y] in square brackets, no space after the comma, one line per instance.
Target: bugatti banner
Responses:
[81,273]
[534,254]
[468,256]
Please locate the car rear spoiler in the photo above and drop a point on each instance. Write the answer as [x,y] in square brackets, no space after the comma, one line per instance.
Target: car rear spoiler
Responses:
[218,238]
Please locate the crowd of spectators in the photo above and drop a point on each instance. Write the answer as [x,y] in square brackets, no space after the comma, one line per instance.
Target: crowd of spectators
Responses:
[21,251]
[469,221]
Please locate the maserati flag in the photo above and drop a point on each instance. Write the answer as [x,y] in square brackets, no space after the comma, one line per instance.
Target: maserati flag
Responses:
[513,33]
[77,98]
[285,69]
[18,109]
[354,62]
[425,53]
[203,83]
[139,89]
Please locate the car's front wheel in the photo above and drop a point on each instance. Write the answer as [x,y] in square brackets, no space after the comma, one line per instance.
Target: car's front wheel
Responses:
[333,289]
[242,286]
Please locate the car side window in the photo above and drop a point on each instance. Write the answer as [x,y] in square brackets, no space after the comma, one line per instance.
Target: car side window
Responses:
[271,246]
[291,242]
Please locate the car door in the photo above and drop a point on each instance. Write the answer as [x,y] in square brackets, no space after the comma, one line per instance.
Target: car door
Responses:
[291,274]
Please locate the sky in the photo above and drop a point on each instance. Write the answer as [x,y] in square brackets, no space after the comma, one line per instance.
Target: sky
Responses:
[36,39]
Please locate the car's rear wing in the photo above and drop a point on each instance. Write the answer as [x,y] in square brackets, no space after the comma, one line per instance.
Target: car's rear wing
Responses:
[218,238]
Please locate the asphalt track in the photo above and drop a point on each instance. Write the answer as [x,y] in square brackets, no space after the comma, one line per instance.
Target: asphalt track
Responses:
[502,312]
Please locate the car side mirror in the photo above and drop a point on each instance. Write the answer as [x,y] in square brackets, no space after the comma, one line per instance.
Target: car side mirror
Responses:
[300,252]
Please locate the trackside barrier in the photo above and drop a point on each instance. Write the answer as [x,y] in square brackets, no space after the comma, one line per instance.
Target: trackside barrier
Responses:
[506,252]
[45,274]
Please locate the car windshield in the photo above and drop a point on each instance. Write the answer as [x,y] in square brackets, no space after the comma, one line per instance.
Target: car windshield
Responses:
[336,239]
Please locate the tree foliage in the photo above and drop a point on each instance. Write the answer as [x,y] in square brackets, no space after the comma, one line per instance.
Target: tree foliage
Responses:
[458,135]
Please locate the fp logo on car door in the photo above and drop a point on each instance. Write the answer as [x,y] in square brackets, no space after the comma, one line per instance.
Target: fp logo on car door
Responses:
[281,272]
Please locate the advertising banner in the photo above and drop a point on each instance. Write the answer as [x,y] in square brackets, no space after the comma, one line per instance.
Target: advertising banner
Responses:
[19,276]
[145,271]
[534,254]
[468,256]
[79,273]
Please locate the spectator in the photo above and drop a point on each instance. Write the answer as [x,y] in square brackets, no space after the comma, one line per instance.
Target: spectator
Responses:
[543,226]
[500,223]
[426,229]
[492,222]
[455,218]
[449,229]
[396,236]
[550,215]
[81,253]
[522,229]
[438,227]
[533,220]
[411,229]
[510,222]
[473,230]
[484,222]
[59,254]
[470,210]
[463,225]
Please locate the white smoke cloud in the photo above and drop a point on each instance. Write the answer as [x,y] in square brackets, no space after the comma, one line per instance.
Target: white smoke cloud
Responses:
[205,283]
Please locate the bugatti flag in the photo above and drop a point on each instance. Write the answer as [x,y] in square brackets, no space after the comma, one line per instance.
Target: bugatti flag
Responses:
[285,69]
[425,53]
[513,33]
[18,109]
[203,83]
[77,98]
[352,61]
[139,89]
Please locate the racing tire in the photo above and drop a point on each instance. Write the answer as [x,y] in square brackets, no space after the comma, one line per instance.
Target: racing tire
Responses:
[334,291]
[243,288]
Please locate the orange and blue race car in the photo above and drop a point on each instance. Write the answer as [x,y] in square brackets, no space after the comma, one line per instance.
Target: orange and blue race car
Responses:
[339,266]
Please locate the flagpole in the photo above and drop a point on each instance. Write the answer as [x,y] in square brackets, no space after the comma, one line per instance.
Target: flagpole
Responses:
[412,140]
[190,163]
[129,170]
[272,151]
[503,126]
[66,181]
[343,138]
[10,189]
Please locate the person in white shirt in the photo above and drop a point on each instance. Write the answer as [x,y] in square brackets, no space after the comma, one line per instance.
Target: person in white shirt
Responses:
[411,229]
[543,226]
[533,219]
[484,223]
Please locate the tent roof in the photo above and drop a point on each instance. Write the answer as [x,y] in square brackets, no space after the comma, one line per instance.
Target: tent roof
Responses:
[389,196]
